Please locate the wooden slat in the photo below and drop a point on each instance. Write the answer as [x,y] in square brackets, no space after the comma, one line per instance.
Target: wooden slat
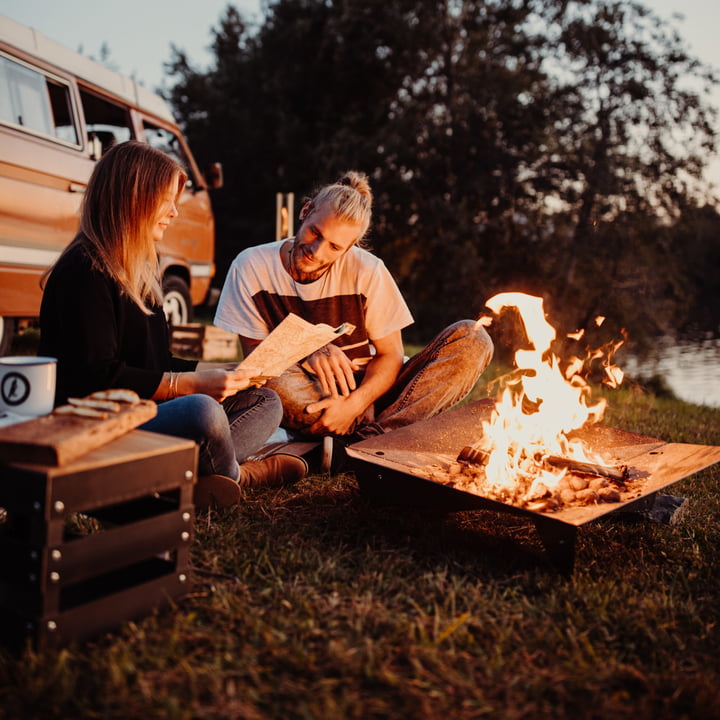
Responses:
[108,612]
[109,549]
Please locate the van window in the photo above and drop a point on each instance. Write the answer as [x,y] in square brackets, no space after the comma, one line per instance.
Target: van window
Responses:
[35,101]
[105,120]
[169,143]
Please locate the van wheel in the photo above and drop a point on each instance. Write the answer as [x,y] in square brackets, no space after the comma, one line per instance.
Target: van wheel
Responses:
[176,303]
[7,333]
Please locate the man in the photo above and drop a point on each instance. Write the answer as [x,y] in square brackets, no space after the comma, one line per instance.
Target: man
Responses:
[359,385]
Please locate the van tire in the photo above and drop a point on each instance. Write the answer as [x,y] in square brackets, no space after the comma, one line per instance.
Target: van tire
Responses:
[176,300]
[7,333]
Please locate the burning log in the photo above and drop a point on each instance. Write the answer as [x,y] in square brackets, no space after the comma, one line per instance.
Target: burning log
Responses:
[475,455]
[584,468]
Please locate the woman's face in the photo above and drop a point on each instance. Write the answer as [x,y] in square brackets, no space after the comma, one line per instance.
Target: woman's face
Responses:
[167,210]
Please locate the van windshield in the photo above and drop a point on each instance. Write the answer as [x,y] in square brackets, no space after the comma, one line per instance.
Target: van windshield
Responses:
[169,143]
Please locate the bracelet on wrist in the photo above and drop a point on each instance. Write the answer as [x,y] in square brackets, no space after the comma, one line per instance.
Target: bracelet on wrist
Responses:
[174,384]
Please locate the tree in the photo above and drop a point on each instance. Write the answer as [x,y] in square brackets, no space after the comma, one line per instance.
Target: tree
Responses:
[697,235]
[631,137]
[465,118]
[512,144]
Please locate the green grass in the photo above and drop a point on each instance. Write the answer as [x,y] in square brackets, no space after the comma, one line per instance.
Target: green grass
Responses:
[313,604]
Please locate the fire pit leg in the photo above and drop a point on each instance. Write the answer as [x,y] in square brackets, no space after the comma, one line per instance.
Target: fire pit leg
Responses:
[559,542]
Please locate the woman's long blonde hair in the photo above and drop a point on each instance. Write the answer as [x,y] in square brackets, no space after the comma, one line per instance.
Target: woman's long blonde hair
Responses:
[119,209]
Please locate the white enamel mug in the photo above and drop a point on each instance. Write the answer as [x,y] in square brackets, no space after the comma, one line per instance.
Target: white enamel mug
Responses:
[27,385]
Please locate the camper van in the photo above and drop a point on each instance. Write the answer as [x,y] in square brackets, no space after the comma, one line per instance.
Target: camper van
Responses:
[59,111]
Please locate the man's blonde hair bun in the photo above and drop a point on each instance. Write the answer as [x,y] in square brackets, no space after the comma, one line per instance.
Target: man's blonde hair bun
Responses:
[350,198]
[358,181]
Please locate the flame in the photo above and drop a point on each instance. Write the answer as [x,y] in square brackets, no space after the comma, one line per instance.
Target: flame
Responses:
[541,403]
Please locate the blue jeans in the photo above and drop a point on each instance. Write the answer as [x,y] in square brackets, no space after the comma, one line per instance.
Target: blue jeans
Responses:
[432,381]
[227,433]
[438,377]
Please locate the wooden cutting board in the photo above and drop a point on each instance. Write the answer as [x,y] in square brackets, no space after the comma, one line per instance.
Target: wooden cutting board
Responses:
[60,439]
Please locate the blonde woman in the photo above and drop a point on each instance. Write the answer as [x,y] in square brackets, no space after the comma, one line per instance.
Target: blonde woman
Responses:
[102,318]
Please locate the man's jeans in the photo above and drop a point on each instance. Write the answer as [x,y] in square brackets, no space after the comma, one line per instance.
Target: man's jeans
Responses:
[435,379]
[227,433]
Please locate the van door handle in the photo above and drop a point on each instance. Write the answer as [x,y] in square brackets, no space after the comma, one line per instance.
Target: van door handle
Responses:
[74,187]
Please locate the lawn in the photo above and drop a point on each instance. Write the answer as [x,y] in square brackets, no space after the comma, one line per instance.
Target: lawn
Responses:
[310,603]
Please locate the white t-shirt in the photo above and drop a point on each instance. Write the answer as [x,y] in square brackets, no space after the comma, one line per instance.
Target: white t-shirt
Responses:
[357,288]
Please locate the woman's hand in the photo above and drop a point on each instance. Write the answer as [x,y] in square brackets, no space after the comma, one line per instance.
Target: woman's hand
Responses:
[218,382]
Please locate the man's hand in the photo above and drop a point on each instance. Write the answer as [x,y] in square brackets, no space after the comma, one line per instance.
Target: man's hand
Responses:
[334,370]
[339,415]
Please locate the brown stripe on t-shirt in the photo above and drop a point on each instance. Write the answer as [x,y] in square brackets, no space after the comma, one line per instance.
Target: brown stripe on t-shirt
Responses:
[333,311]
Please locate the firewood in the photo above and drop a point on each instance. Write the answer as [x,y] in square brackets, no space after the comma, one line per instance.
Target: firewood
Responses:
[584,468]
[475,455]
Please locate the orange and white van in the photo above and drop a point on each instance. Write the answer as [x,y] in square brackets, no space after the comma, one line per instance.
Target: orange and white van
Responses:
[58,112]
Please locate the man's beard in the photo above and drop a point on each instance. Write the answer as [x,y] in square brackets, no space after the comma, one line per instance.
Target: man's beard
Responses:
[303,276]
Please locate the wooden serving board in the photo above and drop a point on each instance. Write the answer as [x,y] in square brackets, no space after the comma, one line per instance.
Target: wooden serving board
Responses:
[60,439]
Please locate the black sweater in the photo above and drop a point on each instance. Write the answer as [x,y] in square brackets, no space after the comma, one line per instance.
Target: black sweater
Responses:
[100,337]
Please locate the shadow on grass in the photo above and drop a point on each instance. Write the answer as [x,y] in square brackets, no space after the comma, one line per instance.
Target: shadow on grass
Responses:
[330,517]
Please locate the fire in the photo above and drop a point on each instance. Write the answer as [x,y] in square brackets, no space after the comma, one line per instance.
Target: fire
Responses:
[543,401]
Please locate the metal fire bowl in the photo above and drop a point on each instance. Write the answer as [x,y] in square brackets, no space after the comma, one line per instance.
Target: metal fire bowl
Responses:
[395,468]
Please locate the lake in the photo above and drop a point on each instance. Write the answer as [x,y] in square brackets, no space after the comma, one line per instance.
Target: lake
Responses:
[690,368]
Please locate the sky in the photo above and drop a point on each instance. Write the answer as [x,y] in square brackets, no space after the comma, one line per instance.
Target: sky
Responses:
[139,33]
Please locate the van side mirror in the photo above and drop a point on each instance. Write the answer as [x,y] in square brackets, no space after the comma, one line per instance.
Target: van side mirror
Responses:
[214,176]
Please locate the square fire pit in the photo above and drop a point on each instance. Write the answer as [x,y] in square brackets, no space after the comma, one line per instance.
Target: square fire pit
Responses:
[398,468]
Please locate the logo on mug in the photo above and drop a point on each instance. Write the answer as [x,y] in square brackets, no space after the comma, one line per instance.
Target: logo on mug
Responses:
[15,389]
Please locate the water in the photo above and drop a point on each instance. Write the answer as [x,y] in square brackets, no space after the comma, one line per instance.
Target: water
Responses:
[691,369]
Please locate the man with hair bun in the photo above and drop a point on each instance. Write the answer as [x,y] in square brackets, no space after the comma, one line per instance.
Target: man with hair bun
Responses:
[360,384]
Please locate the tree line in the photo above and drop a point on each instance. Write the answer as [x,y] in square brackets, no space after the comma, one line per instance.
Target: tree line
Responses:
[555,147]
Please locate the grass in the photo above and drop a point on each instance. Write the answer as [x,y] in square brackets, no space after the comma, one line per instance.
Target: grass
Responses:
[310,603]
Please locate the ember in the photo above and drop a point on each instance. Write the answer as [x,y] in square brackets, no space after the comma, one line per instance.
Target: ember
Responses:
[526,455]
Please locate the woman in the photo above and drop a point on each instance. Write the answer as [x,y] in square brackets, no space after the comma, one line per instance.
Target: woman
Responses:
[102,318]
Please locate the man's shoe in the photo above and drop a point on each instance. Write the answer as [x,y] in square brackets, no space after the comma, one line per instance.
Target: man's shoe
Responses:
[326,454]
[218,490]
[334,459]
[273,471]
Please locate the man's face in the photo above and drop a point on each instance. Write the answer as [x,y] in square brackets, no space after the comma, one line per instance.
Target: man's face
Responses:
[320,240]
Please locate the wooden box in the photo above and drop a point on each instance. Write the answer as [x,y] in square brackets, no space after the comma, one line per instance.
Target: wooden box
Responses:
[95,542]
[203,342]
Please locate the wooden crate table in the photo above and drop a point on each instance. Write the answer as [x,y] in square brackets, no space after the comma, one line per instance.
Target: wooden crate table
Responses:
[91,543]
